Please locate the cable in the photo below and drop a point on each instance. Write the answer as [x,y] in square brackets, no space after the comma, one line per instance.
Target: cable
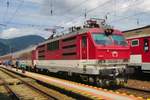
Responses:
[91,10]
[6,11]
[101,5]
[22,24]
[127,17]
[74,7]
[16,11]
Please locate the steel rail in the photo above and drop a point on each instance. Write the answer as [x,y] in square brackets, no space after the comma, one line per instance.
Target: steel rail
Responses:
[136,89]
[9,90]
[32,86]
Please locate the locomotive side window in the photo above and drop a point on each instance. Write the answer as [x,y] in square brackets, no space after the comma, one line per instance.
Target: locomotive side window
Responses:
[41,57]
[53,45]
[146,45]
[41,52]
[84,41]
[135,43]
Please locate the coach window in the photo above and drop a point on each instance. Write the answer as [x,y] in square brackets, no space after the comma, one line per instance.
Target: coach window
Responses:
[135,43]
[84,41]
[53,45]
[146,45]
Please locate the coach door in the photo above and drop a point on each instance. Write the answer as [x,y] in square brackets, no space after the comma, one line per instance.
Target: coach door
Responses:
[146,45]
[84,45]
[146,49]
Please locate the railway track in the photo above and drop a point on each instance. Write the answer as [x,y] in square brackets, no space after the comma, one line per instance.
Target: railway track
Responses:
[11,93]
[89,92]
[137,87]
[132,89]
[142,94]
[22,88]
[5,92]
[4,95]
[135,91]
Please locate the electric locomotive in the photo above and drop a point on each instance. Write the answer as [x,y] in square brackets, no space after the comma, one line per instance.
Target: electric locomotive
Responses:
[95,51]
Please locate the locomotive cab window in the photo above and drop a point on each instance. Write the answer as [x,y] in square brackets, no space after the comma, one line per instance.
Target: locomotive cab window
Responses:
[53,45]
[135,43]
[103,39]
[146,45]
[84,41]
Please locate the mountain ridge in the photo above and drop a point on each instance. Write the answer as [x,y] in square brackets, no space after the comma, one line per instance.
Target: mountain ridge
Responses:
[18,43]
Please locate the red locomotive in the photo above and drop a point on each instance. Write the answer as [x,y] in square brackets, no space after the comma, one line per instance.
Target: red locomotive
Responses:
[95,51]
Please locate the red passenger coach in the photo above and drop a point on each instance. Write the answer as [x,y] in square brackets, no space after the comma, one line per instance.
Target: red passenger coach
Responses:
[140,52]
[139,40]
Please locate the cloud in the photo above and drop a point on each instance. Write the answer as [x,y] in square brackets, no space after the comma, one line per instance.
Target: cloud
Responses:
[145,5]
[10,33]
[16,32]
[68,13]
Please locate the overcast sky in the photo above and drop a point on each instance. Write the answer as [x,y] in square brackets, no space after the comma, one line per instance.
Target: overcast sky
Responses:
[25,17]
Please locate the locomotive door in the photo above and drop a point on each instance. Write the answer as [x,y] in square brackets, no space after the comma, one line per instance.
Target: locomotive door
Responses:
[84,45]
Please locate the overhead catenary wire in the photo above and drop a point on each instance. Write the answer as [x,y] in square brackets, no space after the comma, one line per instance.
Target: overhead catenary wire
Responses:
[14,15]
[101,5]
[22,1]
[128,17]
[7,3]
[122,19]
[51,7]
[15,12]
[74,7]
[23,24]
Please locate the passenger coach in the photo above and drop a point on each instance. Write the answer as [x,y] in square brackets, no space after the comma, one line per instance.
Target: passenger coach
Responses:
[139,40]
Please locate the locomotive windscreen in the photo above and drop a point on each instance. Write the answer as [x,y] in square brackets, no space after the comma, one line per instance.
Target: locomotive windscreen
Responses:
[119,40]
[101,38]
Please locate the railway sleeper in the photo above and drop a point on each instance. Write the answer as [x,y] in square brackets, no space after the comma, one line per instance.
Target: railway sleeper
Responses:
[1,82]
[17,81]
[13,81]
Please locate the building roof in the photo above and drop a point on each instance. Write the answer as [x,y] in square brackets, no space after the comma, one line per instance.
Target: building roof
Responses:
[148,26]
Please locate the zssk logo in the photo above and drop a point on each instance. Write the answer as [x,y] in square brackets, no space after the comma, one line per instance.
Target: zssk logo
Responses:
[114,54]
